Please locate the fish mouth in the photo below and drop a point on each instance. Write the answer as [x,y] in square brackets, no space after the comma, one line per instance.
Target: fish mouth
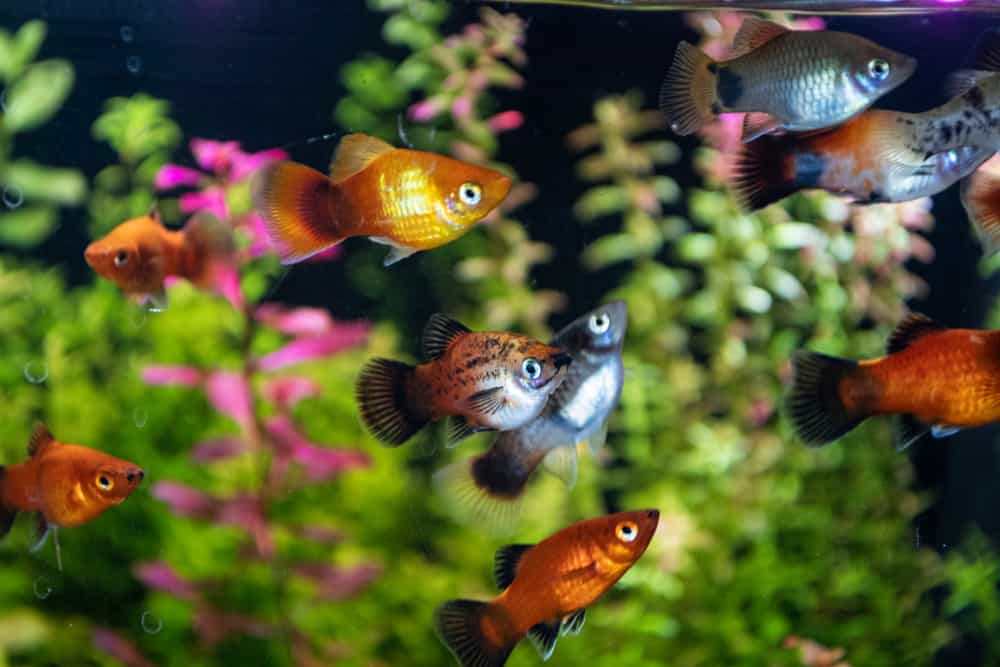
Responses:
[92,255]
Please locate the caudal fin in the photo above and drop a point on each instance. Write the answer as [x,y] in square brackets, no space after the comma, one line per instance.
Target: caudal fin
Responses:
[687,96]
[295,202]
[210,247]
[469,630]
[385,407]
[981,198]
[6,515]
[814,402]
[764,173]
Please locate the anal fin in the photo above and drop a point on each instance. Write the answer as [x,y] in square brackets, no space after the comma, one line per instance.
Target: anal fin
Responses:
[573,623]
[543,637]
[561,462]
[908,430]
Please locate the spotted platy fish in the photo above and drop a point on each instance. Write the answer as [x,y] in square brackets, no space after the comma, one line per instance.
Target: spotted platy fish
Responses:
[488,489]
[546,588]
[935,379]
[409,200]
[865,159]
[139,254]
[784,79]
[492,381]
[67,485]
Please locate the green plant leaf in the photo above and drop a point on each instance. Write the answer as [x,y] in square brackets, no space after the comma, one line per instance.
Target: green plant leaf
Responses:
[35,181]
[27,227]
[37,95]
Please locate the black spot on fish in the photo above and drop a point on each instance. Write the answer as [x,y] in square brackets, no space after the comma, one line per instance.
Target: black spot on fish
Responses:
[716,108]
[492,342]
[967,114]
[875,197]
[729,88]
[809,169]
[475,361]
[713,68]
[959,127]
[945,134]
[974,97]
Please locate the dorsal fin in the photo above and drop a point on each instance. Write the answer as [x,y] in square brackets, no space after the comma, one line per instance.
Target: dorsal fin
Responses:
[354,153]
[40,439]
[754,33]
[987,53]
[154,214]
[505,563]
[439,332]
[913,327]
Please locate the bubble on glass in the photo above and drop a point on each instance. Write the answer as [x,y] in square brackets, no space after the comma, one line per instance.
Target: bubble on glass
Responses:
[133,64]
[139,417]
[42,588]
[12,196]
[151,623]
[36,372]
[127,34]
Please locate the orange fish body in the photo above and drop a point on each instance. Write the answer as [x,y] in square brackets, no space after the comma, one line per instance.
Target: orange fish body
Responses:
[937,379]
[409,200]
[546,588]
[68,485]
[863,159]
[485,381]
[139,254]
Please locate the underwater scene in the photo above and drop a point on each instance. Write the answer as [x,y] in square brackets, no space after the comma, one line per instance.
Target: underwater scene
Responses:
[386,333]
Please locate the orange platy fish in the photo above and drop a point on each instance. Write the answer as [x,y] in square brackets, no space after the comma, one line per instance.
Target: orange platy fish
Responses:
[409,200]
[66,484]
[484,381]
[864,159]
[546,587]
[936,379]
[138,254]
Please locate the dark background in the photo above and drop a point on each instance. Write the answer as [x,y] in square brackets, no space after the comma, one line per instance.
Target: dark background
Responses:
[265,72]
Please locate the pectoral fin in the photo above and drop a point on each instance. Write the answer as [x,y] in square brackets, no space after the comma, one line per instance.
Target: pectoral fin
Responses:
[757,124]
[941,431]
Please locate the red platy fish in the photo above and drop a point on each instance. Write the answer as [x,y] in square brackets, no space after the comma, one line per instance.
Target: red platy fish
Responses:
[67,485]
[139,254]
[408,200]
[936,379]
[546,587]
[492,381]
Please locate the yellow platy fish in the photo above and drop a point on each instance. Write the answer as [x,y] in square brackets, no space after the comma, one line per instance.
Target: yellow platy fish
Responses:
[409,200]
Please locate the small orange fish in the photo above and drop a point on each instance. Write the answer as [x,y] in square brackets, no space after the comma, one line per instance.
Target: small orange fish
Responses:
[938,380]
[546,587]
[484,381]
[409,200]
[68,485]
[138,254]
[864,159]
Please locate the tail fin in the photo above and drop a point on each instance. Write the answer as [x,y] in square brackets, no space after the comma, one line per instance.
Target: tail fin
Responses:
[981,198]
[488,490]
[385,408]
[764,173]
[295,202]
[687,96]
[814,404]
[210,247]
[470,631]
[6,515]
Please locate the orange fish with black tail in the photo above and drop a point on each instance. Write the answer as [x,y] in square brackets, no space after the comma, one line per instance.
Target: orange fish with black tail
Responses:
[409,200]
[68,485]
[547,588]
[493,381]
[864,159]
[935,379]
[139,254]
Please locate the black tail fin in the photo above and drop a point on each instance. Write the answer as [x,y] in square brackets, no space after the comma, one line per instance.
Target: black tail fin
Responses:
[814,403]
[6,515]
[459,623]
[385,408]
[764,173]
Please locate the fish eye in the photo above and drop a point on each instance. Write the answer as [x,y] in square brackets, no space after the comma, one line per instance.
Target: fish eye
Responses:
[532,368]
[121,258]
[627,531]
[878,69]
[104,482]
[470,193]
[600,323]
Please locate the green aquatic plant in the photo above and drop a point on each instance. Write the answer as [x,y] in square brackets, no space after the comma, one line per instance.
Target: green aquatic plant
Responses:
[32,93]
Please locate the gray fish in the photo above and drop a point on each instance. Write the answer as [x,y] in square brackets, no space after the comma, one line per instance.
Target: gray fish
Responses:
[784,79]
[488,488]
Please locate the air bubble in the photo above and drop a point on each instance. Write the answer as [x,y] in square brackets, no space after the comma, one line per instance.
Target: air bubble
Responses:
[36,372]
[140,416]
[12,196]
[42,588]
[133,64]
[151,623]
[127,34]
